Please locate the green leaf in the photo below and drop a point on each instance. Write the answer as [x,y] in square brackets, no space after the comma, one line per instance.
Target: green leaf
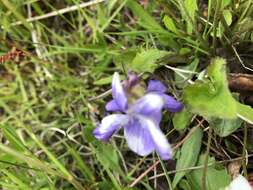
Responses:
[211,97]
[185,50]
[243,27]
[225,3]
[170,25]
[10,134]
[217,177]
[104,185]
[182,119]
[190,67]
[184,184]
[190,7]
[145,19]
[245,112]
[106,80]
[103,81]
[88,132]
[189,154]
[125,58]
[82,166]
[107,156]
[224,127]
[10,159]
[228,17]
[16,179]
[146,60]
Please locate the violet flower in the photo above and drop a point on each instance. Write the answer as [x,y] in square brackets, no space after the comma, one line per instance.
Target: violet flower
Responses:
[140,118]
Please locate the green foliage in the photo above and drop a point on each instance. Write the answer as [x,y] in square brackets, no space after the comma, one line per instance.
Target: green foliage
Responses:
[224,127]
[103,81]
[227,16]
[145,19]
[217,177]
[190,8]
[170,25]
[146,61]
[211,96]
[12,137]
[245,112]
[225,3]
[184,184]
[191,67]
[182,119]
[188,154]
[107,156]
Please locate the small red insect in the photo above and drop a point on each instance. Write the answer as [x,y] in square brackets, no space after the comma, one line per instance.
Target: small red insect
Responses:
[14,54]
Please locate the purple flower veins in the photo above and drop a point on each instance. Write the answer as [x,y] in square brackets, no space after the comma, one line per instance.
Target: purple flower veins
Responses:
[139,119]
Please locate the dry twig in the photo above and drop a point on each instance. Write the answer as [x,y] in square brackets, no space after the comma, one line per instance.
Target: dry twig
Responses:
[61,11]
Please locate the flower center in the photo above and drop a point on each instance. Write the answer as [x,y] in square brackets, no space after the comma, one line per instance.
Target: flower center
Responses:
[136,92]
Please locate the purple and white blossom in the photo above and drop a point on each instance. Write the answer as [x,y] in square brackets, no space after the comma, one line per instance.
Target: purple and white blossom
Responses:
[139,116]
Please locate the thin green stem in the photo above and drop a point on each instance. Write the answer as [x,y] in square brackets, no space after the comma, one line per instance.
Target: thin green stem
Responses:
[113,179]
[136,167]
[208,19]
[215,23]
[244,165]
[166,174]
[206,159]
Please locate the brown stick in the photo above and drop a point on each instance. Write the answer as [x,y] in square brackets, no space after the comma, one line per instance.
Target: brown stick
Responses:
[240,82]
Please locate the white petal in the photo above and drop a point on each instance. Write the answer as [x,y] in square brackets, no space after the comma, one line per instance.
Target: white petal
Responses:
[138,137]
[151,102]
[109,125]
[118,92]
[161,143]
[240,183]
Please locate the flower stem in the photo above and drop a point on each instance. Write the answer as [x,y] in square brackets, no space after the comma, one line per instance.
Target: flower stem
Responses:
[244,165]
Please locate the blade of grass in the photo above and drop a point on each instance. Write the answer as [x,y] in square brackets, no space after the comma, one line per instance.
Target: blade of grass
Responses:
[113,15]
[50,155]
[166,174]
[16,180]
[83,167]
[12,8]
[215,23]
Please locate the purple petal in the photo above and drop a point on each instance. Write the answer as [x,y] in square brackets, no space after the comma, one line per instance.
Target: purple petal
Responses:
[118,92]
[156,86]
[172,104]
[156,117]
[138,137]
[112,106]
[133,79]
[161,144]
[109,125]
[149,105]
